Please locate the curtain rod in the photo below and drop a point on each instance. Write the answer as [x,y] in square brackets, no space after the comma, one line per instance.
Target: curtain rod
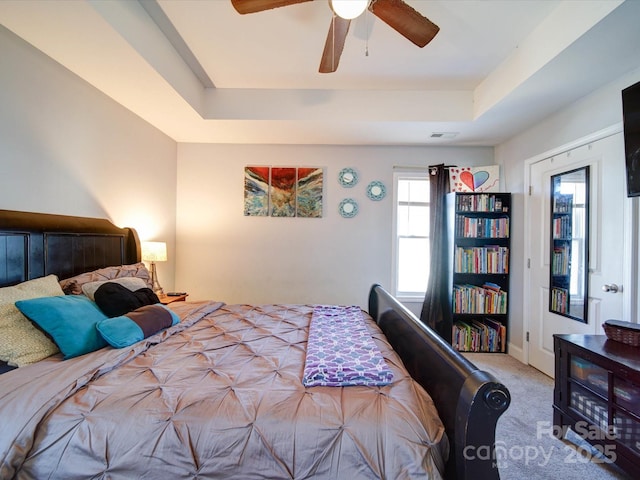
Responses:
[433,168]
[430,168]
[421,167]
[410,168]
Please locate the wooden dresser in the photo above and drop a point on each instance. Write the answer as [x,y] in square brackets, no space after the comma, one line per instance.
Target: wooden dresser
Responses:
[597,395]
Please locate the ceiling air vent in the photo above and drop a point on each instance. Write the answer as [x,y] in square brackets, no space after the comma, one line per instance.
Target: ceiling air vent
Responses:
[444,134]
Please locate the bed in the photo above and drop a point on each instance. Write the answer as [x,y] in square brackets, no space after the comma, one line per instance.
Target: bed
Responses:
[218,393]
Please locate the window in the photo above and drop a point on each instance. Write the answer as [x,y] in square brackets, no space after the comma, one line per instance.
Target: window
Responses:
[577,190]
[411,234]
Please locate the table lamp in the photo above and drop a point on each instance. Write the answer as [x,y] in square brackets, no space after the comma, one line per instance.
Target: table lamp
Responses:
[154,252]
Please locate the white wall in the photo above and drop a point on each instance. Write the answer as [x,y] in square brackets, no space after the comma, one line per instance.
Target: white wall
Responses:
[595,112]
[224,255]
[66,148]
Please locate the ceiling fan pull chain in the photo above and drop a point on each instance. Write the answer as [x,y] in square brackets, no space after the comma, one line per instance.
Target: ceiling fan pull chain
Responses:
[366,29]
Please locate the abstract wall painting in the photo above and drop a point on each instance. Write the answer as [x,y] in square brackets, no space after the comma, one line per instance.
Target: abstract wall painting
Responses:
[283,191]
[309,192]
[256,191]
[475,179]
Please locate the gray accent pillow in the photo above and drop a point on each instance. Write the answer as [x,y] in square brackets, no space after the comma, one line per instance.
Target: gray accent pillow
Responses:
[73,285]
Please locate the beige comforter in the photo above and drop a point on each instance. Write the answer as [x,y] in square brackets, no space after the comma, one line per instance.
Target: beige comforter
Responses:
[217,396]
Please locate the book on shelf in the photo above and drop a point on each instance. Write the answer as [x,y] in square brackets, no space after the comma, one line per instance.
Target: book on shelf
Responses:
[478,227]
[560,300]
[501,334]
[482,260]
[562,228]
[486,335]
[560,260]
[562,203]
[480,203]
[475,299]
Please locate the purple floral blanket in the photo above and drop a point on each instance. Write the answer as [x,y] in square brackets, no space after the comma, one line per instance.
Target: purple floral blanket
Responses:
[340,350]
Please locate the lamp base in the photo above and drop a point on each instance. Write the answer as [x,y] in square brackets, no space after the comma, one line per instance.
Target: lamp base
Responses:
[155,285]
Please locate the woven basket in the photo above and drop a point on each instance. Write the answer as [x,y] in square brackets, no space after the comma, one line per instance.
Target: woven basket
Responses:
[623,332]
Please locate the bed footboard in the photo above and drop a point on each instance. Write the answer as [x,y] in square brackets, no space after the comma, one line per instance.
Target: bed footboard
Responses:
[469,400]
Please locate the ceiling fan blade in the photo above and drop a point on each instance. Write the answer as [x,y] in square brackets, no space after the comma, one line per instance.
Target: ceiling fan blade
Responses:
[334,45]
[253,6]
[405,20]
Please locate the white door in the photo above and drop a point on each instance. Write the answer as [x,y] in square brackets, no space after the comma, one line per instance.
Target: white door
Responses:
[607,194]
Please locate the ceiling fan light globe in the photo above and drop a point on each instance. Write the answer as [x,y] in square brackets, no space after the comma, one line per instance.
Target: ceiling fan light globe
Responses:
[348,9]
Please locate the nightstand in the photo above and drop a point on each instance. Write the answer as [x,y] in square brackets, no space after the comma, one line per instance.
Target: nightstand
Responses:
[167,299]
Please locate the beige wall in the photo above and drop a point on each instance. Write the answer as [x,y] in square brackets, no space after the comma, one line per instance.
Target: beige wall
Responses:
[66,148]
[230,257]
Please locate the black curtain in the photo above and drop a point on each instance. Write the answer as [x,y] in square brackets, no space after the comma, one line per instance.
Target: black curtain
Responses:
[436,309]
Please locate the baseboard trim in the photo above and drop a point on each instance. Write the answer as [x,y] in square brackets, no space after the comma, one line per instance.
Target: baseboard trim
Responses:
[516,352]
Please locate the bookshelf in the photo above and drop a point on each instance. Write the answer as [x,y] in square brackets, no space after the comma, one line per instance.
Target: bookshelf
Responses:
[561,233]
[478,278]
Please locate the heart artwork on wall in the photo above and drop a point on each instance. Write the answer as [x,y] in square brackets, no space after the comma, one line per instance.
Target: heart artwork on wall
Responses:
[474,179]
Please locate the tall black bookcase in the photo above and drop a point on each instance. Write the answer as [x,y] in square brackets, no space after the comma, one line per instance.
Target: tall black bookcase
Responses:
[562,227]
[478,279]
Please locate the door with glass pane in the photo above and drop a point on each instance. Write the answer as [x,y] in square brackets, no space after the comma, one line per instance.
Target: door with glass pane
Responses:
[583,302]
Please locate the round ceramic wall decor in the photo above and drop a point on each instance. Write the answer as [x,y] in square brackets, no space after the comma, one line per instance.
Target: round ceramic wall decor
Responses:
[348,208]
[348,177]
[376,190]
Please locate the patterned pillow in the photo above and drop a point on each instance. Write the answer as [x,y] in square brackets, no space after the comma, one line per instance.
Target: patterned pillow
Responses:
[73,285]
[120,332]
[69,319]
[21,343]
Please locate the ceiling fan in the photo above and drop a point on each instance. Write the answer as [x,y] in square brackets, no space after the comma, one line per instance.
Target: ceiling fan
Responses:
[395,13]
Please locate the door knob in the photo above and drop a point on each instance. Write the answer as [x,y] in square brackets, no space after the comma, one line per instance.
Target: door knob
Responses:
[612,288]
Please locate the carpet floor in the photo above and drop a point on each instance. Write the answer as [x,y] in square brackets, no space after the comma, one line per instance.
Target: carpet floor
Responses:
[525,446]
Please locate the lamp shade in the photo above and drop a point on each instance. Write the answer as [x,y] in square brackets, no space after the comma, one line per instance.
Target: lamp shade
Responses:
[154,251]
[349,9]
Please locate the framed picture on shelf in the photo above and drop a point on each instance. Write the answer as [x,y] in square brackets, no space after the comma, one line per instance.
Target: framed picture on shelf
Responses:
[474,179]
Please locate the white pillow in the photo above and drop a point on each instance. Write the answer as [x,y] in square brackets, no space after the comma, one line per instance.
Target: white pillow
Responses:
[132,283]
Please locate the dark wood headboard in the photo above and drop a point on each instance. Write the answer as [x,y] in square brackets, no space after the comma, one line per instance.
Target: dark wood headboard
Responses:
[37,244]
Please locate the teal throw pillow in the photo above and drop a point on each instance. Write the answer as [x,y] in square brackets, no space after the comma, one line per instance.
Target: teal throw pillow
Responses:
[70,320]
[137,325]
